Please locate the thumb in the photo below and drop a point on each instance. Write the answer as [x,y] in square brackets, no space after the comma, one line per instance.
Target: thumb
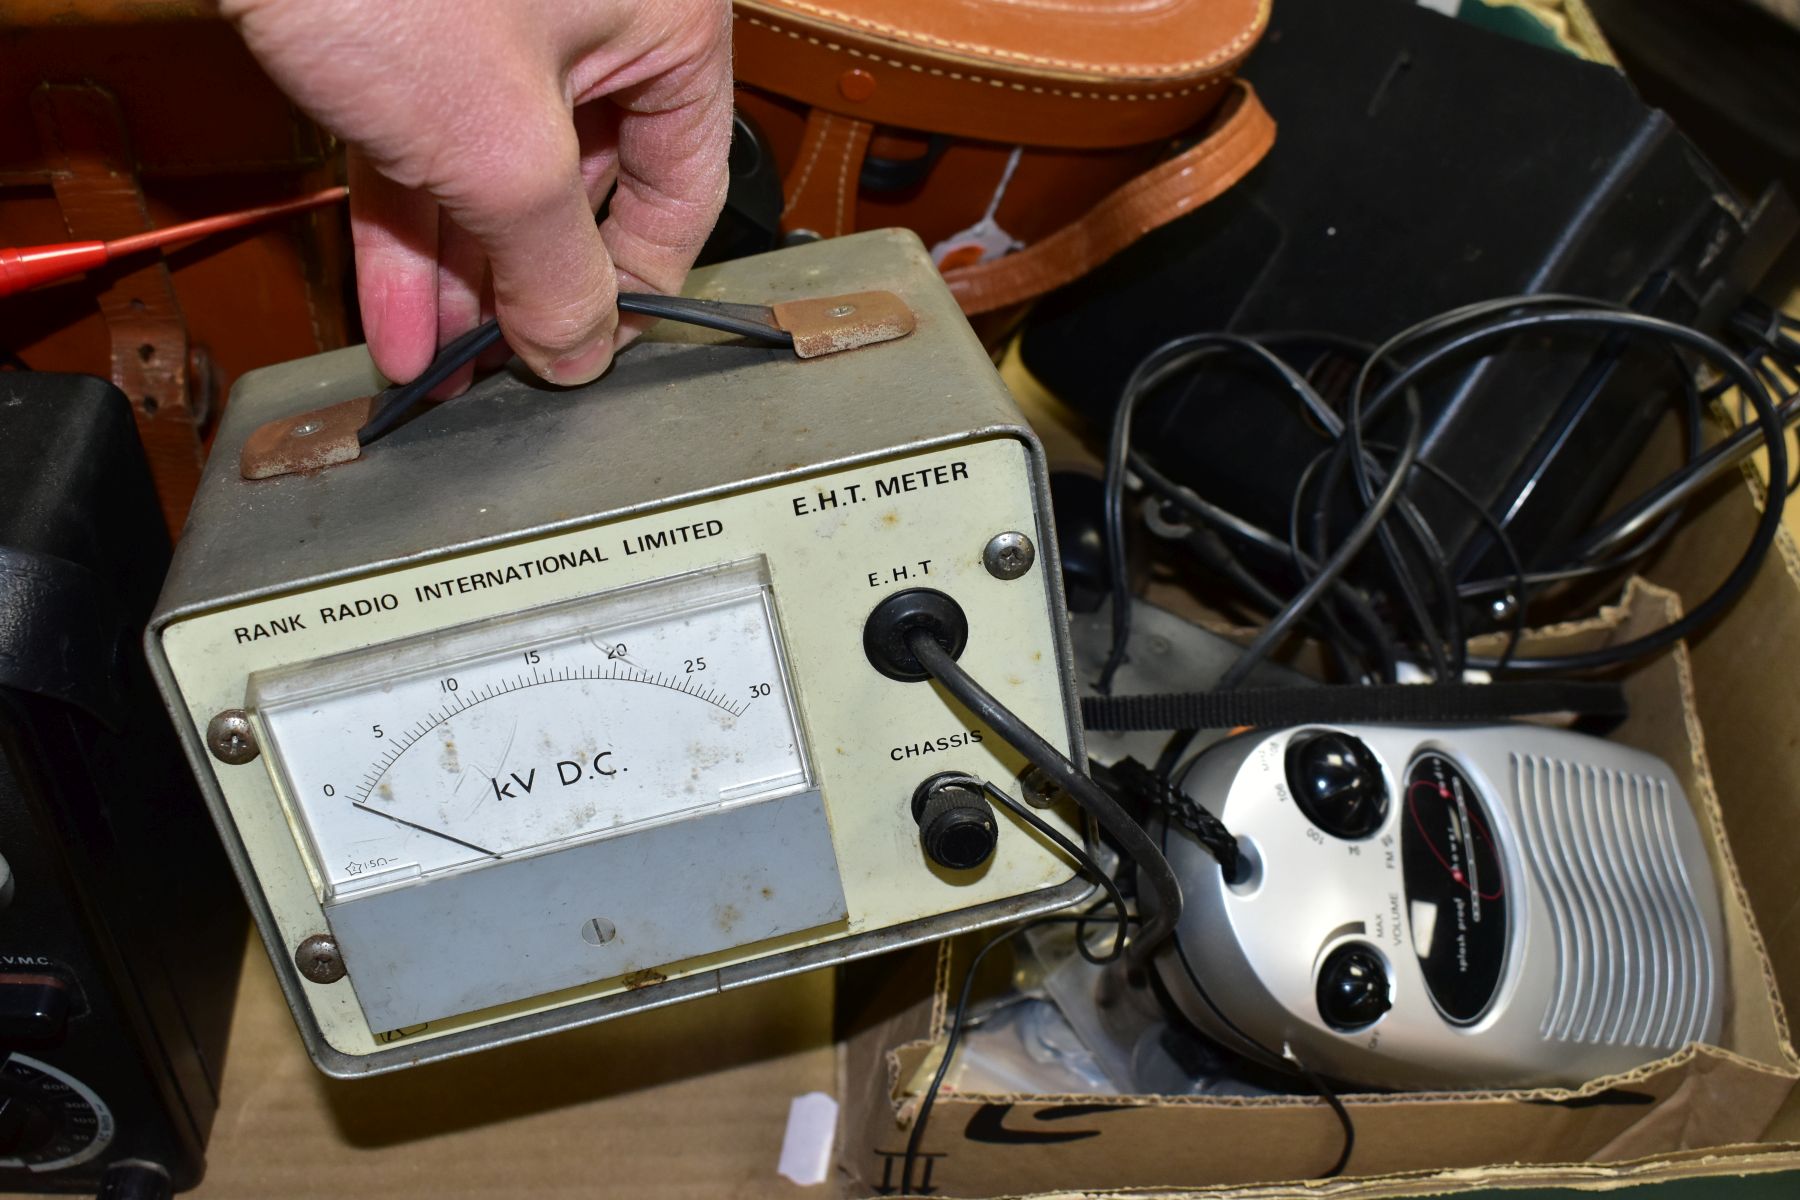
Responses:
[555,289]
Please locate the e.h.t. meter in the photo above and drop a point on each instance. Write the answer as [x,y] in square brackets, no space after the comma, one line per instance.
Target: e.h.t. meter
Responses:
[554,704]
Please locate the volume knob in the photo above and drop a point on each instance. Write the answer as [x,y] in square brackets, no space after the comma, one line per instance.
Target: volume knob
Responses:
[1353,988]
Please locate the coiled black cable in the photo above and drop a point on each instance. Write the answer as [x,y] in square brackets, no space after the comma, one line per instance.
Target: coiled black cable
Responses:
[1387,374]
[1637,325]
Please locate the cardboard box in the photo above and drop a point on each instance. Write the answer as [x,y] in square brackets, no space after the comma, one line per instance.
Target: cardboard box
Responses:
[689,1100]
[1722,711]
[1704,1101]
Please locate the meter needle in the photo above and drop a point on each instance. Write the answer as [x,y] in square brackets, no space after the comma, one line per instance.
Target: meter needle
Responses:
[424,829]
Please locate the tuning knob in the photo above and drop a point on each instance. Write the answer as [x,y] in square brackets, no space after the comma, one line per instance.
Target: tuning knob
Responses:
[1353,988]
[957,829]
[1337,783]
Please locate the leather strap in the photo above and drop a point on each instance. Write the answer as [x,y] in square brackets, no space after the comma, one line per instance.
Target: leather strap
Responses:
[1241,134]
[82,131]
[821,187]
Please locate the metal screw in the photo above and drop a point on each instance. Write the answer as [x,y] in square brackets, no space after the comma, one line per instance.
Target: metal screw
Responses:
[231,737]
[1039,790]
[598,931]
[306,428]
[1009,555]
[840,310]
[319,959]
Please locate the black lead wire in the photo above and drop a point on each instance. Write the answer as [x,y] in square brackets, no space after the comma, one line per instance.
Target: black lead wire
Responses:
[1615,544]
[744,320]
[399,400]
[1769,424]
[954,1033]
[1083,861]
[1340,559]
[1131,837]
[1162,364]
[954,1030]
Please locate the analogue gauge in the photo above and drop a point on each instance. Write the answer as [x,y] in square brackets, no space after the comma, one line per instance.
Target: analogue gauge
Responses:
[582,721]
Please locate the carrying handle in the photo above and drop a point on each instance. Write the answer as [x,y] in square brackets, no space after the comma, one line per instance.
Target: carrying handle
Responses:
[1241,134]
[812,328]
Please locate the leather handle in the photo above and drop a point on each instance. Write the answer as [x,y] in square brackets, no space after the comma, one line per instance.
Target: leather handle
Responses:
[1240,136]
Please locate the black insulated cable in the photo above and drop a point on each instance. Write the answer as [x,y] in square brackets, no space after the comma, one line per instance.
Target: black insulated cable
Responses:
[1127,833]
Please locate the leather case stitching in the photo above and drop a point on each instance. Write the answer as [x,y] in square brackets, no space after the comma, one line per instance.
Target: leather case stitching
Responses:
[966,77]
[1244,37]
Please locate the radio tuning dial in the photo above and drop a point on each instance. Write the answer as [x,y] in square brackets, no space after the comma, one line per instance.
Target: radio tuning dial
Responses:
[1337,783]
[1353,988]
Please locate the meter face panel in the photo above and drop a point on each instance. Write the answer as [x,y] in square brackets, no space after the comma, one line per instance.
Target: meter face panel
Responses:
[455,750]
[810,784]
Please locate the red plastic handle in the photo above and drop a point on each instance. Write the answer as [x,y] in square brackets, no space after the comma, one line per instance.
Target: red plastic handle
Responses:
[24,267]
[27,266]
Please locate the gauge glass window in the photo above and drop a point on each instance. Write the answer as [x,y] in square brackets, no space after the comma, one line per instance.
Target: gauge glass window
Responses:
[511,736]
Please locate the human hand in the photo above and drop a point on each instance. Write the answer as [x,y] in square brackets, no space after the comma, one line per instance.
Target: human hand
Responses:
[484,135]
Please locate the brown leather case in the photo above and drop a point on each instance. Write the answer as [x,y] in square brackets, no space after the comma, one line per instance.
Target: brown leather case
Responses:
[118,116]
[1025,140]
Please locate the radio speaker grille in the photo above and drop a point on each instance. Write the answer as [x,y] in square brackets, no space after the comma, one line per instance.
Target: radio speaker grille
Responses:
[1633,964]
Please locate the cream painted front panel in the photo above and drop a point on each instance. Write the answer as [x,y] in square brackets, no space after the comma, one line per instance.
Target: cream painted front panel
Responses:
[834,546]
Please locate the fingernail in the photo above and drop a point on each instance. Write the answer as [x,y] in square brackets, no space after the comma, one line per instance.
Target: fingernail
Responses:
[583,366]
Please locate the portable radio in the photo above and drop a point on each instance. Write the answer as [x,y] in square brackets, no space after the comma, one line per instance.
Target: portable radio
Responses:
[1509,906]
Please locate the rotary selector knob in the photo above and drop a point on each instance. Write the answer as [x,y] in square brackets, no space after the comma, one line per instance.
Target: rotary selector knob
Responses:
[25,1127]
[957,829]
[1353,989]
[1337,783]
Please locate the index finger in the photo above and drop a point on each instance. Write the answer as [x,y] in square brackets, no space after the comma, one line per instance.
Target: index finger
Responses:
[674,135]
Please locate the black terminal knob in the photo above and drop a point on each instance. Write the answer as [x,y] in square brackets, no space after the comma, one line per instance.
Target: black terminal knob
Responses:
[1337,783]
[1353,988]
[957,829]
[135,1180]
[32,1007]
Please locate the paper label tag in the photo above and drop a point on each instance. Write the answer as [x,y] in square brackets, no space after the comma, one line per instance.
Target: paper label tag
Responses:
[811,1133]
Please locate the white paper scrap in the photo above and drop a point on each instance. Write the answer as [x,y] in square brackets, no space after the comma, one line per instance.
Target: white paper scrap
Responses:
[811,1132]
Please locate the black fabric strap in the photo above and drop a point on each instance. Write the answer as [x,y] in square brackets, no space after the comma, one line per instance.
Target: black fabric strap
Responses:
[1381,704]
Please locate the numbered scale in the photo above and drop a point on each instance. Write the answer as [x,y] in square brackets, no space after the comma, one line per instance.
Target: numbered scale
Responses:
[578,721]
[49,1120]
